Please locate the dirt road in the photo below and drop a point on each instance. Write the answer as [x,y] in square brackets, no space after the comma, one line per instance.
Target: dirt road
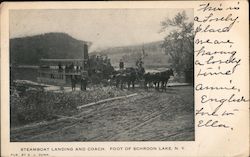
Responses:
[148,116]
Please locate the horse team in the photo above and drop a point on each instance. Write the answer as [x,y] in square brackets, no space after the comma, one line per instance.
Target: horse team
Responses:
[130,75]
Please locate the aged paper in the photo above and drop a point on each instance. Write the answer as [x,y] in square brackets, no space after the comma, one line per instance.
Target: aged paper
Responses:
[125,78]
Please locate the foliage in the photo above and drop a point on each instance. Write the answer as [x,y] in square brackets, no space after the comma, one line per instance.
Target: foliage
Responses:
[37,105]
[179,43]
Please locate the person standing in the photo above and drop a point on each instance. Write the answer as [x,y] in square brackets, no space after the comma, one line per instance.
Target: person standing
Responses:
[83,83]
[60,69]
[139,63]
[73,82]
[121,64]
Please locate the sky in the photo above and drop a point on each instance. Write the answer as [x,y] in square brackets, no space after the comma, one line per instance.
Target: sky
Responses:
[104,28]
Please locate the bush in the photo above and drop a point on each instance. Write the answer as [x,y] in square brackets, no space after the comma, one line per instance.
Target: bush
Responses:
[38,105]
[35,106]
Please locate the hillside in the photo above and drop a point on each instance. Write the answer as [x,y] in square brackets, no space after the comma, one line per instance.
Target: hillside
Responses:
[154,55]
[28,50]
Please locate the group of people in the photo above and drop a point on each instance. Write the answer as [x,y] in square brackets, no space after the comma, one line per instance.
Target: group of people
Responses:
[73,68]
[99,62]
[75,77]
[83,82]
[69,68]
[139,63]
[100,66]
[95,65]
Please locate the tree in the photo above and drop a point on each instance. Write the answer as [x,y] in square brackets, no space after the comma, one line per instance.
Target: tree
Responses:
[179,43]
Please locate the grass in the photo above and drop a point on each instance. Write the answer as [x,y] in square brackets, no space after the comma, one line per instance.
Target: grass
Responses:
[28,106]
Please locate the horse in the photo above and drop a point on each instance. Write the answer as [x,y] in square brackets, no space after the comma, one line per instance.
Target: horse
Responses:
[148,79]
[152,78]
[159,78]
[164,77]
[129,76]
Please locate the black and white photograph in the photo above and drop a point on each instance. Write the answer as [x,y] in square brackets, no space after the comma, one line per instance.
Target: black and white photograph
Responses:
[101,75]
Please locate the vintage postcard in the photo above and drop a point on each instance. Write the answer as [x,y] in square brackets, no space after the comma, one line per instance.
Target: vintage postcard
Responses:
[125,78]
